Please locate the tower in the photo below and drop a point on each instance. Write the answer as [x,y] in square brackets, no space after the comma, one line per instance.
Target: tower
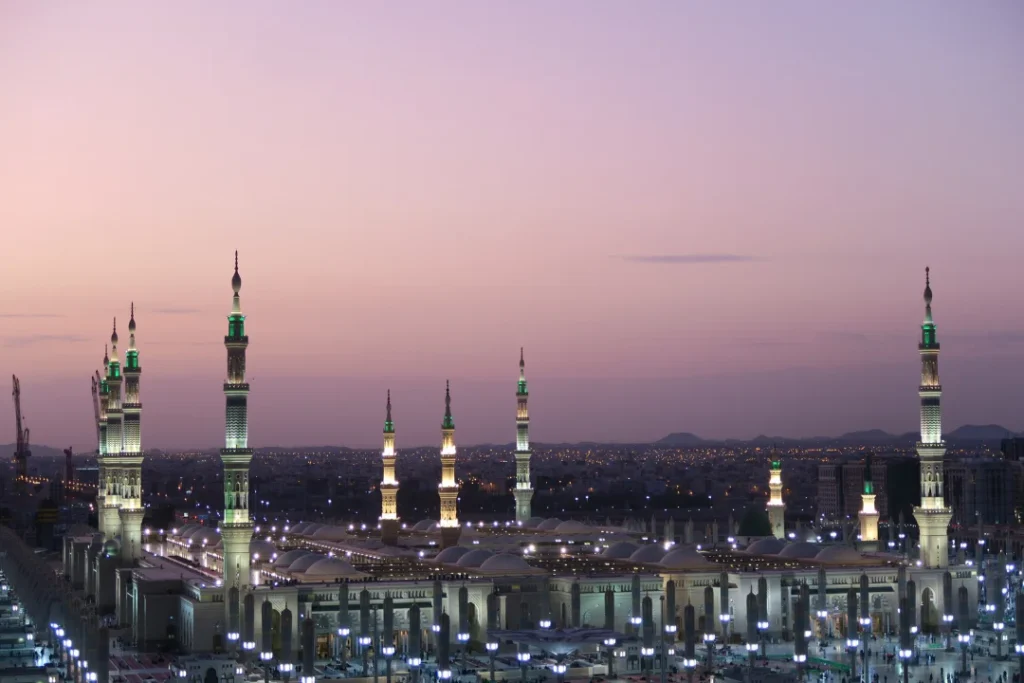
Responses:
[101,449]
[388,484]
[130,459]
[236,529]
[115,442]
[448,489]
[932,515]
[524,489]
[868,515]
[776,508]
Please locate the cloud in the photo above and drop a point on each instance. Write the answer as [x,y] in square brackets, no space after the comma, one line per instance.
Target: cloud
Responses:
[32,339]
[174,310]
[687,258]
[31,315]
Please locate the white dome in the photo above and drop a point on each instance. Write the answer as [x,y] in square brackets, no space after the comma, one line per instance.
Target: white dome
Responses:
[619,551]
[839,554]
[205,534]
[284,560]
[310,529]
[684,557]
[304,562]
[573,527]
[649,553]
[766,546]
[191,530]
[329,533]
[329,567]
[299,529]
[451,555]
[505,563]
[799,550]
[533,522]
[264,548]
[475,557]
[549,524]
[424,525]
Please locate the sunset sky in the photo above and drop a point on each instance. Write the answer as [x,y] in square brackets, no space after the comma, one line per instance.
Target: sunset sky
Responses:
[696,216]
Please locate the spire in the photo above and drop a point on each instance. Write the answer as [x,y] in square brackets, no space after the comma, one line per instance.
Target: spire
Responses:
[869,486]
[131,330]
[106,358]
[448,422]
[928,339]
[521,388]
[113,343]
[236,285]
[389,426]
[236,321]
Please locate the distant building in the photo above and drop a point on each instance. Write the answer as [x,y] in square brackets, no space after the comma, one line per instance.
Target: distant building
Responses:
[841,482]
[985,490]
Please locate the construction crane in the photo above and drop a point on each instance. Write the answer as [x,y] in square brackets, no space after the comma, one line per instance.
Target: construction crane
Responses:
[96,403]
[21,451]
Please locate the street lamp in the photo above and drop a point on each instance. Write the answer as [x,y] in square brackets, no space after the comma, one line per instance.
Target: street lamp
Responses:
[560,671]
[544,623]
[524,661]
[343,633]
[492,651]
[610,644]
[388,651]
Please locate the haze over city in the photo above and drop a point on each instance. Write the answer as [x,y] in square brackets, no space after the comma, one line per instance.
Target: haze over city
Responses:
[691,220]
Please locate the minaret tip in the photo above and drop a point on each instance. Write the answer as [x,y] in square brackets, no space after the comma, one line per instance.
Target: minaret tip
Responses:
[236,279]
[927,286]
[521,361]
[236,260]
[389,406]
[113,335]
[131,321]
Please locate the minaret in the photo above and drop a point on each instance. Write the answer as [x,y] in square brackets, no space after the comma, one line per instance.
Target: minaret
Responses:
[131,512]
[101,451]
[868,514]
[388,484]
[776,508]
[115,441]
[236,529]
[524,489]
[932,516]
[448,490]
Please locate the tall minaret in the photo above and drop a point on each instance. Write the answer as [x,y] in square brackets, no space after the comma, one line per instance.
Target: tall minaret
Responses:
[388,484]
[868,515]
[524,489]
[448,490]
[115,441]
[932,516]
[776,507]
[236,529]
[101,451]
[131,512]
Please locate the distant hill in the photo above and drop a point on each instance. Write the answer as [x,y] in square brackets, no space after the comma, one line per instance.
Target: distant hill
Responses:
[7,451]
[979,433]
[681,439]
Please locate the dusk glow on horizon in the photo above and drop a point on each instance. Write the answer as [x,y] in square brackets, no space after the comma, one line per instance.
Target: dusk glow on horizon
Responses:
[707,217]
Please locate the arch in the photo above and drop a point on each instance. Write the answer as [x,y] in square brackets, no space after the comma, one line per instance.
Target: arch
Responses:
[210,676]
[929,620]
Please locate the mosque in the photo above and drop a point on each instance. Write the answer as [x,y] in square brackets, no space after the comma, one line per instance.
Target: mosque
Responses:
[212,589]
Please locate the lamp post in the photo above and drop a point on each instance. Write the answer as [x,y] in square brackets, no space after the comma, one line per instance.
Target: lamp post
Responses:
[666,651]
[965,642]
[388,652]
[560,671]
[364,646]
[524,661]
[610,644]
[343,634]
[266,657]
[492,651]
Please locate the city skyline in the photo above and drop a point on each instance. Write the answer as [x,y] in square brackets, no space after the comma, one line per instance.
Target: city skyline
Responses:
[683,237]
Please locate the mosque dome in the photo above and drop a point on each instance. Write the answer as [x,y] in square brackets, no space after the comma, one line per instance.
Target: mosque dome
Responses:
[766,546]
[284,560]
[799,550]
[304,562]
[549,524]
[111,547]
[839,554]
[620,550]
[329,567]
[505,563]
[648,554]
[475,557]
[262,548]
[210,536]
[299,529]
[451,555]
[424,525]
[533,522]
[684,557]
[329,533]
[572,527]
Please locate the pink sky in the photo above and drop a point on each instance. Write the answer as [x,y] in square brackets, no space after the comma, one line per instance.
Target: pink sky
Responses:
[418,189]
